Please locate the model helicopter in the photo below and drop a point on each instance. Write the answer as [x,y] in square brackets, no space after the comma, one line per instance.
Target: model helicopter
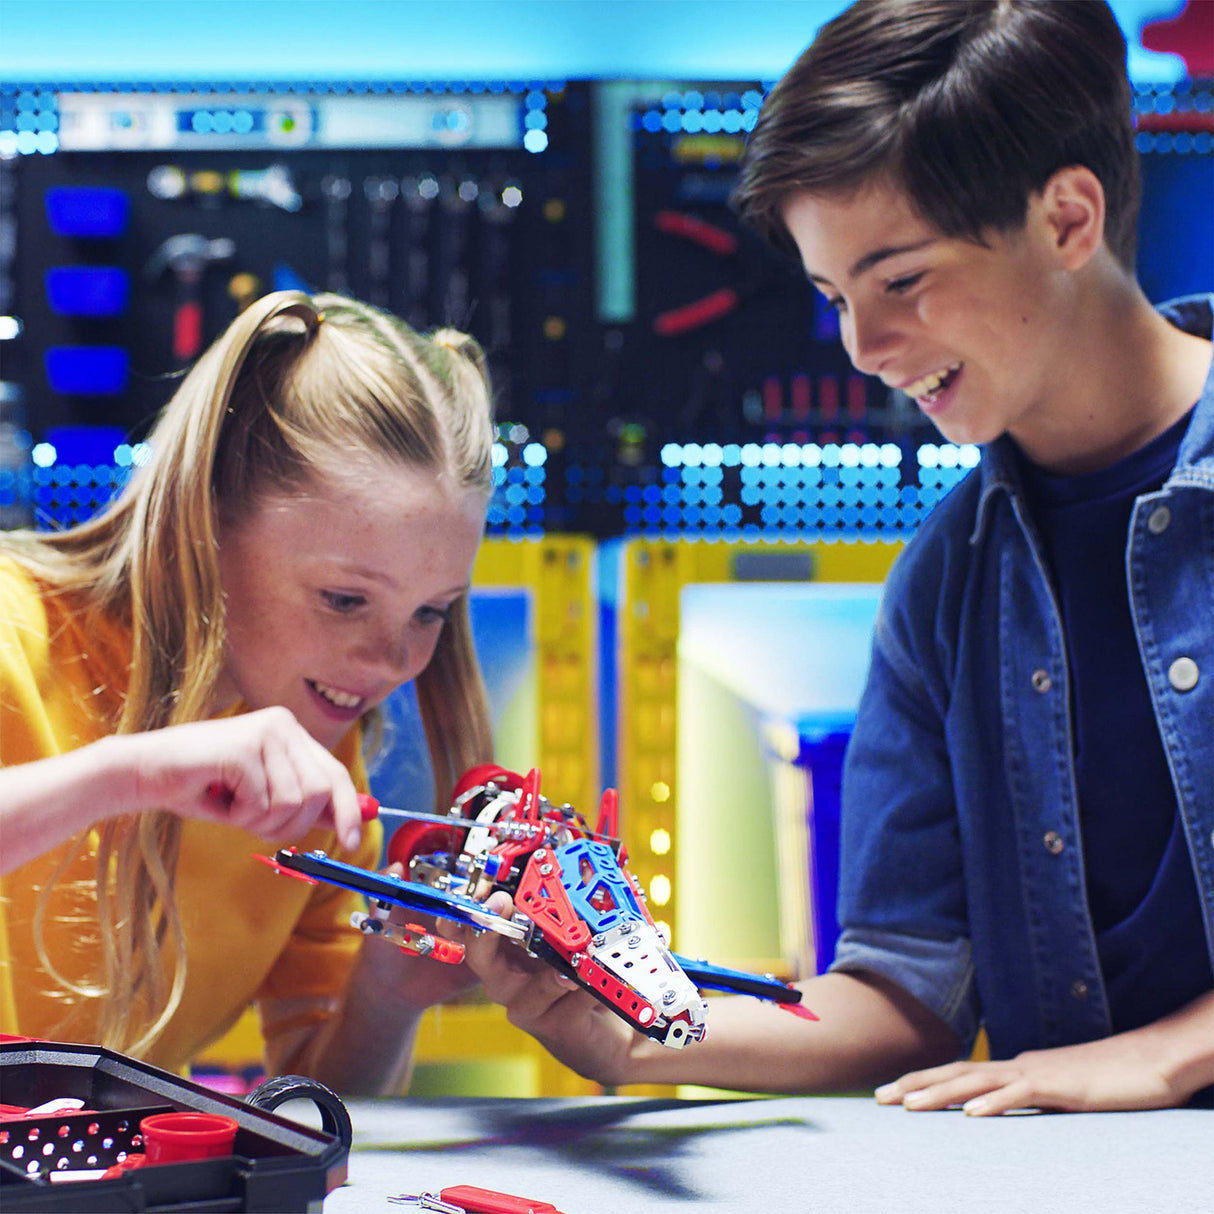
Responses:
[576,904]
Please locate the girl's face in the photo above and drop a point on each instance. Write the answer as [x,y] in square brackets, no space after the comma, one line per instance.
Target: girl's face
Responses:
[337,594]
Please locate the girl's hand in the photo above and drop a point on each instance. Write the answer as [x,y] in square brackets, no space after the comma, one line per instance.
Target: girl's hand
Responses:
[426,981]
[262,772]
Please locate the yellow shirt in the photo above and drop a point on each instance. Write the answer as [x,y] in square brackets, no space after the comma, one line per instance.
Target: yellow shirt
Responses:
[251,935]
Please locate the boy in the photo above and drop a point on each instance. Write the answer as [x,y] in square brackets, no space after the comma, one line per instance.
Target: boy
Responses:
[1028,835]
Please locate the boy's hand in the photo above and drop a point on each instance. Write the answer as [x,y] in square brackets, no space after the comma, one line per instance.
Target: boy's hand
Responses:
[1115,1073]
[573,1026]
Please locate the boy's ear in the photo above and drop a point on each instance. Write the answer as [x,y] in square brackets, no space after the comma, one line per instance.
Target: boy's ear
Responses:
[1072,207]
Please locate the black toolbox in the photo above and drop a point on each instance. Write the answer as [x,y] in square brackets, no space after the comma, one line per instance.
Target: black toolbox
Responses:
[276,1165]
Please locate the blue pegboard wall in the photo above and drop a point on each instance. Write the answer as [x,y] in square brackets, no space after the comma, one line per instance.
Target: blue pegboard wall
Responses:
[792,484]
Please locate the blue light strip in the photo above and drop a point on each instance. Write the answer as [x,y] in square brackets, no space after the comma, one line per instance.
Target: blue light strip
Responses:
[776,492]
[516,509]
[725,493]
[42,118]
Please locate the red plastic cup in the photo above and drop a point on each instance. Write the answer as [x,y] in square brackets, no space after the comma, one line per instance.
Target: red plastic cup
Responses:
[177,1137]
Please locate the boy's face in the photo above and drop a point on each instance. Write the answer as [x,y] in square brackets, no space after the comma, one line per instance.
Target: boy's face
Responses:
[971,332]
[337,595]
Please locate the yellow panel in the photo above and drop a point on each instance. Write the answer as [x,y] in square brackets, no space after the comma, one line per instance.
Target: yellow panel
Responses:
[655,573]
[559,572]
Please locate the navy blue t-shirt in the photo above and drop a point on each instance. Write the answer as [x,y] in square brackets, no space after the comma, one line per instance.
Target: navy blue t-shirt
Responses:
[1141,890]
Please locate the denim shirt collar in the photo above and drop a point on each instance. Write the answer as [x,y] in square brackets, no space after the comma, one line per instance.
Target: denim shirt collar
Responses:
[999,471]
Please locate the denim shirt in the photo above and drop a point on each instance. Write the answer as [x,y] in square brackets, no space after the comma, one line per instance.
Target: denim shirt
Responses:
[962,867]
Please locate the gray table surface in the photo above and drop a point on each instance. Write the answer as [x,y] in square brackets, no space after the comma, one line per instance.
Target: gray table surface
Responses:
[620,1155]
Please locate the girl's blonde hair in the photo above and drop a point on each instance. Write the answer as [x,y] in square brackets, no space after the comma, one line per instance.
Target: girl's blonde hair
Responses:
[294,380]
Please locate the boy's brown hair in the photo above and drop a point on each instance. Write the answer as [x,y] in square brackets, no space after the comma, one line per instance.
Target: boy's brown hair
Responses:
[969,106]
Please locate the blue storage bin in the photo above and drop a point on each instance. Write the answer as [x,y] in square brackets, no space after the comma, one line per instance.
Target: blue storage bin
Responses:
[87,370]
[823,740]
[89,211]
[88,290]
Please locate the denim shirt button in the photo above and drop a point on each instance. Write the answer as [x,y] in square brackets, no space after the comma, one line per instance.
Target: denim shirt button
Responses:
[1183,674]
[1158,520]
[1079,989]
[1042,681]
[1053,841]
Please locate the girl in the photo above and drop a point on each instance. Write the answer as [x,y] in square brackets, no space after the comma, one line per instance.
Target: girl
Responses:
[184,682]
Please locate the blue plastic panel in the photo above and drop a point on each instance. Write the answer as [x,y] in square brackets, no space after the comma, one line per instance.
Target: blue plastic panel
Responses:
[85,444]
[87,370]
[88,290]
[88,211]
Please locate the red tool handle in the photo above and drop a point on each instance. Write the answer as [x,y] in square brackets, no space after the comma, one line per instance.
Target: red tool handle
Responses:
[490,1201]
[696,315]
[187,330]
[217,792]
[698,231]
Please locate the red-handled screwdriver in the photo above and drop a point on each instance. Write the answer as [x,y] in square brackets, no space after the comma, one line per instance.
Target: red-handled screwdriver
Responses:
[400,847]
[490,1201]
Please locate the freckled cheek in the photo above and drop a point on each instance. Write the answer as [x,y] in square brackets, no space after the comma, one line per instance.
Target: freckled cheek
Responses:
[419,651]
[421,654]
[247,637]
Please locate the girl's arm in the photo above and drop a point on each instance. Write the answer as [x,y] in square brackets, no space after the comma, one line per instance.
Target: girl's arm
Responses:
[366,1049]
[262,772]
[46,802]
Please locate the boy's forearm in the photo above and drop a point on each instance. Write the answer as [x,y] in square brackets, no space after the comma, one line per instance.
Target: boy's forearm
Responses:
[1185,1044]
[869,1031]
